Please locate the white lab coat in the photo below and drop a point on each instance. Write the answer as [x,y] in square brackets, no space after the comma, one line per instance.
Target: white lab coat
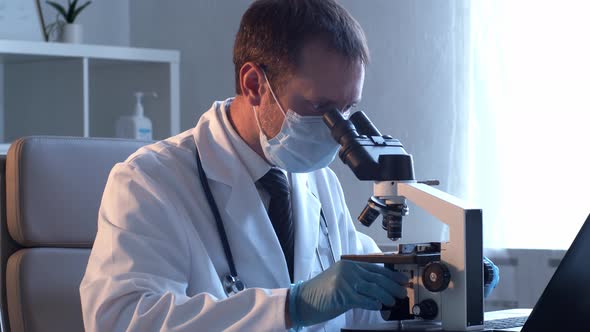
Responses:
[157,259]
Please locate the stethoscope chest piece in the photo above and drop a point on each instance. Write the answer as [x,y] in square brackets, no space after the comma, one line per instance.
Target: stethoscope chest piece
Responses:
[232,285]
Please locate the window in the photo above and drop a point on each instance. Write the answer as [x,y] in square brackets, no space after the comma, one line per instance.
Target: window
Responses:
[529,120]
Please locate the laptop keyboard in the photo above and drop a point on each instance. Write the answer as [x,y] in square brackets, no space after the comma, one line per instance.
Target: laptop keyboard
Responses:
[505,323]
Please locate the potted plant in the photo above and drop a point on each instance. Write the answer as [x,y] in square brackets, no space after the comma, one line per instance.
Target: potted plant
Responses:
[69,32]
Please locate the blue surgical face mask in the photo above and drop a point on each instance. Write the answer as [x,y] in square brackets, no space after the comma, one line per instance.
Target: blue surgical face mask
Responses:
[303,145]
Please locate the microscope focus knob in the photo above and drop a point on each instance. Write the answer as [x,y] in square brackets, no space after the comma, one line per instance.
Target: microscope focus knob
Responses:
[436,277]
[427,309]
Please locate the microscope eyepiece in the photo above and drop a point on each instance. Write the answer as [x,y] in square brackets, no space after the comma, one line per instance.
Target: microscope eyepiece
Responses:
[339,126]
[363,124]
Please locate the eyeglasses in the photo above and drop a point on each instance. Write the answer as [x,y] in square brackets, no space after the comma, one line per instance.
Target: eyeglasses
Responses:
[320,110]
[317,109]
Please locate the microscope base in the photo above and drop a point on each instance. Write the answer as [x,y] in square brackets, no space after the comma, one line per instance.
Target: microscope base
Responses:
[406,325]
[403,326]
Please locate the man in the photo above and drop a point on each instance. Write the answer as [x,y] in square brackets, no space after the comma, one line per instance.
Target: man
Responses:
[161,259]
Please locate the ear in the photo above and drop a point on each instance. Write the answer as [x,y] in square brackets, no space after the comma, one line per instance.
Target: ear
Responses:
[252,83]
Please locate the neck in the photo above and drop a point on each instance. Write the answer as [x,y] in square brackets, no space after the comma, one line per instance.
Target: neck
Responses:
[243,120]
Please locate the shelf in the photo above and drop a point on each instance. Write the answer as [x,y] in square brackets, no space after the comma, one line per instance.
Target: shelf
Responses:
[4,148]
[61,89]
[15,51]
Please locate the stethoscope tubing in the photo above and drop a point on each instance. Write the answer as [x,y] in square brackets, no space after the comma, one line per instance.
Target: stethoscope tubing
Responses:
[217,216]
[232,281]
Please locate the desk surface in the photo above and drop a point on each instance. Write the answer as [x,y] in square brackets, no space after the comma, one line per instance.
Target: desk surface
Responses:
[419,326]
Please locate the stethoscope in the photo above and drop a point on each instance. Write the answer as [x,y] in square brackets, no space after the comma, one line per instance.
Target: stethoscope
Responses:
[232,284]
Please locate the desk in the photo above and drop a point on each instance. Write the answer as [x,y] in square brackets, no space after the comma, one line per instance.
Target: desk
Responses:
[419,326]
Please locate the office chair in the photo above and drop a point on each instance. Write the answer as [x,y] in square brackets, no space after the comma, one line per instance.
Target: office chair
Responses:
[50,193]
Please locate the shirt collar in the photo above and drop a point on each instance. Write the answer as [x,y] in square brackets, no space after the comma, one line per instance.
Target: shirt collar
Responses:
[256,166]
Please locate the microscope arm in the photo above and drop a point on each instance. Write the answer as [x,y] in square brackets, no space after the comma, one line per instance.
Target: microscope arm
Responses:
[462,254]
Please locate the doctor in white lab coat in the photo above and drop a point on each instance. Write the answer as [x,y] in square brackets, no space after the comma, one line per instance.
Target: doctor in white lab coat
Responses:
[157,262]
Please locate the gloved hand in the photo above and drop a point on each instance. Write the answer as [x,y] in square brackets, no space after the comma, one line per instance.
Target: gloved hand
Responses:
[343,286]
[491,276]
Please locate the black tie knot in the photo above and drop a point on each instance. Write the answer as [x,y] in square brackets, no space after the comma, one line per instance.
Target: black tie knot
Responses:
[275,183]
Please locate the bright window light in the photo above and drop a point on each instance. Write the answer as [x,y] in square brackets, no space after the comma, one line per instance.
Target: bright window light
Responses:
[529,120]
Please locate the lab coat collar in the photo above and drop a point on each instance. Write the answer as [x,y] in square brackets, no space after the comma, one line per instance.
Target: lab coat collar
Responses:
[256,166]
[219,161]
[215,148]
[242,203]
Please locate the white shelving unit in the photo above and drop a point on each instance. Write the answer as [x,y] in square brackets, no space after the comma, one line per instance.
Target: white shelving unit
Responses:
[81,90]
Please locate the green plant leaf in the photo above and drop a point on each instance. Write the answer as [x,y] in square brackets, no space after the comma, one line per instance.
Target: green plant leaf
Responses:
[71,7]
[77,11]
[59,8]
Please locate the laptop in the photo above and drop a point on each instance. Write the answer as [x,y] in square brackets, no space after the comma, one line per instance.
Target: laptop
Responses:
[565,302]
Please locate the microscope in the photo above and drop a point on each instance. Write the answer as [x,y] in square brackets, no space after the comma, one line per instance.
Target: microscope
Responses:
[445,291]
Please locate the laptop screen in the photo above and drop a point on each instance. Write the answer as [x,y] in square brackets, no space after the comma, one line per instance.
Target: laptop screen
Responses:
[565,303]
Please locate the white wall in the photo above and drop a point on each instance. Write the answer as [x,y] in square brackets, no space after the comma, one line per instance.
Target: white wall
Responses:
[413,87]
[414,92]
[204,32]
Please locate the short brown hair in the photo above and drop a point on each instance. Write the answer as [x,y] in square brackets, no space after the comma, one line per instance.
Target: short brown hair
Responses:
[273,32]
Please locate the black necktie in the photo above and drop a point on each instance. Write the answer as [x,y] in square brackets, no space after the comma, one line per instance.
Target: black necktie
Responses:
[279,212]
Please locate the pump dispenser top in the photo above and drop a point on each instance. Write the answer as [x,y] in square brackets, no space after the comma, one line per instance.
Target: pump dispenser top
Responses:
[139,101]
[136,126]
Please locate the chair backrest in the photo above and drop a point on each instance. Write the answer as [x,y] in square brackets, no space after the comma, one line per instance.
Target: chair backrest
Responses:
[51,193]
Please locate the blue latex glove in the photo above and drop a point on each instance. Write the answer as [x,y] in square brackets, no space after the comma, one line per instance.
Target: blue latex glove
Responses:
[345,285]
[487,289]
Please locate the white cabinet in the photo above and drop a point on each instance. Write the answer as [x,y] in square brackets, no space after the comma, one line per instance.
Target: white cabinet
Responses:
[81,90]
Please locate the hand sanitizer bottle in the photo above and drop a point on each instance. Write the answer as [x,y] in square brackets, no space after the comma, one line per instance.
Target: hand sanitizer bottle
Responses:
[136,126]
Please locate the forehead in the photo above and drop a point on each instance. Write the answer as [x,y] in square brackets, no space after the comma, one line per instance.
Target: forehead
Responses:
[325,74]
